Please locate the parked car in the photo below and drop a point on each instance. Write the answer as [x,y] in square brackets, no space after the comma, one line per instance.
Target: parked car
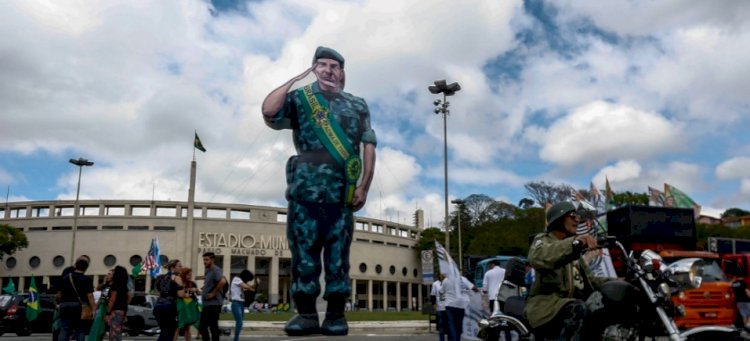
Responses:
[13,315]
[141,318]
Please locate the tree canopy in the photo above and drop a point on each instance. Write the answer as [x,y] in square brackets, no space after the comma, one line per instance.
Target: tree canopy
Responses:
[11,240]
[629,198]
[735,212]
[547,192]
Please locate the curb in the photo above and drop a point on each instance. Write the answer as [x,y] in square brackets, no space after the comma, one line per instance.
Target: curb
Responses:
[355,327]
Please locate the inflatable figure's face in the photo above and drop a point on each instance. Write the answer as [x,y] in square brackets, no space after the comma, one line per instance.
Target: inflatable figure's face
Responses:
[329,73]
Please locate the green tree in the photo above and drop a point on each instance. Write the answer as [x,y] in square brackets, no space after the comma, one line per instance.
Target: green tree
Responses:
[428,237]
[11,240]
[547,192]
[629,198]
[735,212]
[525,203]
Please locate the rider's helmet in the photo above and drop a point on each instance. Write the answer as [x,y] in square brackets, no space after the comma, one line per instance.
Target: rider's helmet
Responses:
[558,211]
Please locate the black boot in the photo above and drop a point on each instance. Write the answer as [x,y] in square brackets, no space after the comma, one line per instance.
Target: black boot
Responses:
[335,322]
[306,320]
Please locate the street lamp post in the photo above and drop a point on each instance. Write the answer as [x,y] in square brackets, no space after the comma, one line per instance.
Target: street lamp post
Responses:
[441,106]
[460,204]
[80,162]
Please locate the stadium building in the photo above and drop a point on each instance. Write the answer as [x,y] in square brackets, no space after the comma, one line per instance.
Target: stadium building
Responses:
[385,269]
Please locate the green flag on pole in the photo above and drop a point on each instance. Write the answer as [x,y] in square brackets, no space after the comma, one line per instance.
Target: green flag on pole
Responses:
[10,288]
[197,143]
[32,303]
[674,197]
[136,270]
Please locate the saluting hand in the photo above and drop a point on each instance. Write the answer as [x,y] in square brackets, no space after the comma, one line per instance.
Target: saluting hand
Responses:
[304,74]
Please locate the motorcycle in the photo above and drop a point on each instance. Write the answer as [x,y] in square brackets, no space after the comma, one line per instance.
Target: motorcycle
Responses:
[640,306]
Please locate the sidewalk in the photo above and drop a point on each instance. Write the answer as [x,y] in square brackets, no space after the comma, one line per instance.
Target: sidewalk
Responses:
[355,327]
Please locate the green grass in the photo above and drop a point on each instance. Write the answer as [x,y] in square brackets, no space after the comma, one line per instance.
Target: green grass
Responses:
[350,316]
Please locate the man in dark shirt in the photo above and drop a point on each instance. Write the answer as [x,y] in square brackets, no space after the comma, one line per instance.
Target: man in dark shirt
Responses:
[75,290]
[212,297]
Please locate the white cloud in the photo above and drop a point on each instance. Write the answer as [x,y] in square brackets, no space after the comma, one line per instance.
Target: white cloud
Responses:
[734,168]
[599,132]
[629,175]
[620,172]
[126,83]
[745,189]
[649,17]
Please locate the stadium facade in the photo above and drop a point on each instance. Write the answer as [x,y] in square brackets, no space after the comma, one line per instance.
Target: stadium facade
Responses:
[385,269]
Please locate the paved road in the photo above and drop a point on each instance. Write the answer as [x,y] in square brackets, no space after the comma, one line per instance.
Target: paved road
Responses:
[390,337]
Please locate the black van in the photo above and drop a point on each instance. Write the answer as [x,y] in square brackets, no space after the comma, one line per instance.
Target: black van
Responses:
[13,315]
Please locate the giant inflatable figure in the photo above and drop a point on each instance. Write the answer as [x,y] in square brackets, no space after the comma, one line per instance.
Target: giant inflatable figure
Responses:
[327,181]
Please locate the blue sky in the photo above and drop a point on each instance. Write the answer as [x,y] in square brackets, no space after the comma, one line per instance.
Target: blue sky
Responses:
[639,92]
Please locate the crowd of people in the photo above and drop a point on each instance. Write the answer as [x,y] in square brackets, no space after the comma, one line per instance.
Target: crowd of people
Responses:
[180,304]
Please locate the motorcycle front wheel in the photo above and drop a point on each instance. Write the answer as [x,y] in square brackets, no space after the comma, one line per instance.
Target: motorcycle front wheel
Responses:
[497,334]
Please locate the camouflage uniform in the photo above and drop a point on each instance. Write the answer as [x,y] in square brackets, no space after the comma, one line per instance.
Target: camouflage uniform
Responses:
[563,281]
[317,217]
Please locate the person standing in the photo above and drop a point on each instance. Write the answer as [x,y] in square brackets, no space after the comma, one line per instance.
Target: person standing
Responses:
[244,281]
[438,304]
[491,282]
[455,290]
[104,286]
[742,297]
[330,128]
[165,309]
[212,297]
[76,290]
[187,292]
[117,306]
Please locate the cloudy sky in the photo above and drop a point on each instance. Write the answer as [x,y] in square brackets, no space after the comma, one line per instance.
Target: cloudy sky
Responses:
[639,92]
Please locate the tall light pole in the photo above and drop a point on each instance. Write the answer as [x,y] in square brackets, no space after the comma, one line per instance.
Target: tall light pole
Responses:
[80,162]
[460,204]
[441,106]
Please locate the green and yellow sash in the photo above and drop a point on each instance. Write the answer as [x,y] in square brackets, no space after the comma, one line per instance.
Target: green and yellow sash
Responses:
[333,138]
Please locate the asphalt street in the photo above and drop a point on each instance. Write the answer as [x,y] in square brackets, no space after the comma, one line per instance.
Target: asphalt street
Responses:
[364,337]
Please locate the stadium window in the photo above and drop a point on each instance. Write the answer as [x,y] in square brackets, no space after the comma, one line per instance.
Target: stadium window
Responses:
[239,214]
[114,210]
[140,211]
[40,212]
[166,211]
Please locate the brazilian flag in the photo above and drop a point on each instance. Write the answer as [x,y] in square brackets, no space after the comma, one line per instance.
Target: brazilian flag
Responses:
[32,303]
[97,327]
[197,143]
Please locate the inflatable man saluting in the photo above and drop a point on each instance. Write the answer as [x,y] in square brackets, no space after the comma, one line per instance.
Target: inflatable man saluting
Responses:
[324,189]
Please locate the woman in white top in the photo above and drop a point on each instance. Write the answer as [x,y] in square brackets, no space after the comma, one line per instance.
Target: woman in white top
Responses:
[240,283]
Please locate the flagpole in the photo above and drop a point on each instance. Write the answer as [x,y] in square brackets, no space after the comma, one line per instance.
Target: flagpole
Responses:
[195,132]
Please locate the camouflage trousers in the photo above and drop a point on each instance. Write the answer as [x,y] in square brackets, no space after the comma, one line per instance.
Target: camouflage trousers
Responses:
[313,228]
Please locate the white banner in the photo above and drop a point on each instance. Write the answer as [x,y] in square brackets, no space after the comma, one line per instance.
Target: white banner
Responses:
[428,272]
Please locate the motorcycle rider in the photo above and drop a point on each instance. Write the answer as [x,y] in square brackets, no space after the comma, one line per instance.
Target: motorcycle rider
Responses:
[564,290]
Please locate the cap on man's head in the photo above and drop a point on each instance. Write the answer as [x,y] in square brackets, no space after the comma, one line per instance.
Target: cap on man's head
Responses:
[327,52]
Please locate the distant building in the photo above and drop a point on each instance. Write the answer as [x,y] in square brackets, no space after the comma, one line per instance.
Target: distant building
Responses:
[708,220]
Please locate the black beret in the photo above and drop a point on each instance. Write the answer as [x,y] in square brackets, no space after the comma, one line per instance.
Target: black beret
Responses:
[327,52]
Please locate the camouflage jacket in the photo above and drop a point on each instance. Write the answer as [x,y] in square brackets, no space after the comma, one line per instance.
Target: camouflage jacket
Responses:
[314,176]
[562,276]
